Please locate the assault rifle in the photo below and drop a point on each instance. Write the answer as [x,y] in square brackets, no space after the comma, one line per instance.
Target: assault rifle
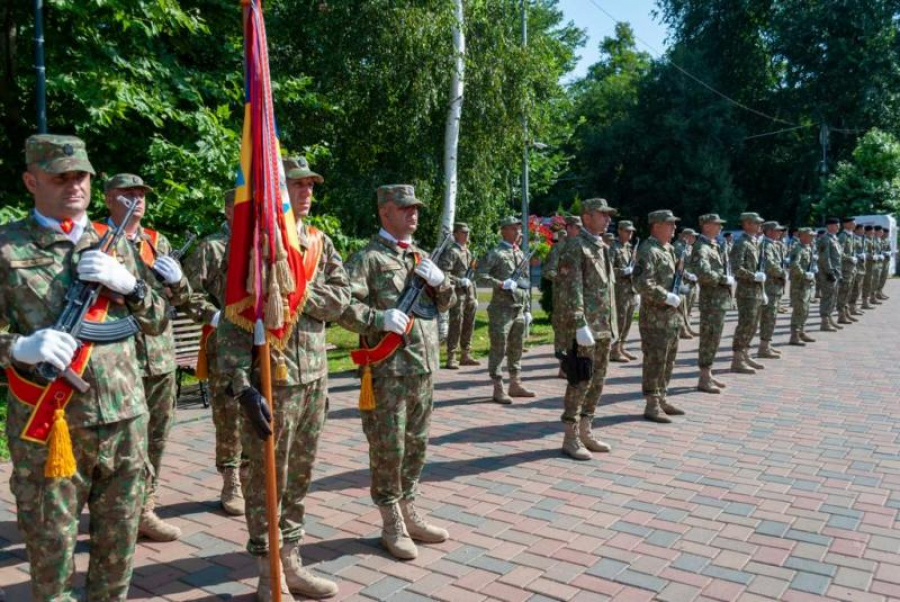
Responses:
[470,273]
[520,271]
[761,267]
[634,248]
[410,299]
[678,280]
[80,297]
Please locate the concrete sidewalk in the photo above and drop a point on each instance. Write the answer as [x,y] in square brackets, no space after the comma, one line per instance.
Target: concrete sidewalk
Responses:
[787,487]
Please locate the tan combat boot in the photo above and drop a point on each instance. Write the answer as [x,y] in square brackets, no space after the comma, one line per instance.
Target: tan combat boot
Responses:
[751,362]
[451,364]
[572,445]
[467,360]
[874,300]
[806,338]
[515,387]
[500,395]
[153,527]
[882,296]
[706,383]
[796,340]
[616,355]
[418,529]
[586,436]
[264,585]
[826,326]
[842,317]
[394,535]
[766,351]
[627,353]
[684,334]
[691,330]
[738,364]
[854,311]
[668,408]
[716,381]
[865,304]
[848,313]
[653,412]
[301,581]
[232,498]
[834,323]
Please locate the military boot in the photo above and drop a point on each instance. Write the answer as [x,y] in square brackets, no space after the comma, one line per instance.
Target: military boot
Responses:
[418,529]
[882,296]
[716,381]
[806,338]
[301,581]
[751,362]
[706,383]
[627,353]
[451,364]
[264,585]
[690,329]
[739,365]
[467,360]
[865,304]
[826,326]
[834,324]
[394,535]
[670,409]
[796,340]
[572,445]
[232,498]
[854,311]
[515,387]
[848,313]
[843,318]
[500,395]
[153,527]
[874,300]
[653,412]
[616,355]
[684,334]
[766,351]
[586,435]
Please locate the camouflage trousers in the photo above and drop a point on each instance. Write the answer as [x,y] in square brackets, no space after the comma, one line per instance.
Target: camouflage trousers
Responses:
[625,306]
[749,311]
[768,314]
[868,281]
[856,287]
[829,291]
[299,417]
[397,431]
[506,328]
[712,323]
[226,414]
[845,291]
[659,344]
[112,470]
[160,393]
[581,400]
[801,297]
[885,274]
[462,323]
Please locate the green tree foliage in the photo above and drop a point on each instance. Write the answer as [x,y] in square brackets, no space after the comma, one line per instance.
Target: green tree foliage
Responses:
[869,183]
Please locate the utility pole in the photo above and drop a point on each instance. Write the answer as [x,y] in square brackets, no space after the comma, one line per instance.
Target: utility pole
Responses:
[525,145]
[41,91]
[823,140]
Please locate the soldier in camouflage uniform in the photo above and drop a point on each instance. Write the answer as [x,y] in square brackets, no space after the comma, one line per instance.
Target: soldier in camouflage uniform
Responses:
[586,316]
[745,261]
[206,269]
[624,254]
[709,263]
[803,275]
[551,264]
[849,261]
[156,353]
[886,253]
[397,428]
[40,258]
[776,280]
[869,248]
[685,244]
[300,391]
[508,314]
[660,319]
[859,251]
[829,250]
[458,262]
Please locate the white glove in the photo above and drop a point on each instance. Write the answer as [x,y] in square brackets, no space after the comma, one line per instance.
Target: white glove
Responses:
[853,261]
[729,280]
[395,321]
[214,321]
[584,337]
[627,271]
[430,272]
[509,285]
[97,266]
[168,269]
[690,277]
[464,282]
[528,319]
[46,345]
[880,257]
[810,276]
[759,277]
[861,256]
[673,299]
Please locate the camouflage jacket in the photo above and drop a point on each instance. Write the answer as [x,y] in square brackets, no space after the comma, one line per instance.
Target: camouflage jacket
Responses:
[801,263]
[847,241]
[499,265]
[455,262]
[37,266]
[303,356]
[653,278]
[378,274]
[829,255]
[869,249]
[745,262]
[776,274]
[551,264]
[880,247]
[622,256]
[587,289]
[680,247]
[708,263]
[206,269]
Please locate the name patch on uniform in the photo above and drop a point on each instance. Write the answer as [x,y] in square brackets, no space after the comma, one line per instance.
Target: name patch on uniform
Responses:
[31,262]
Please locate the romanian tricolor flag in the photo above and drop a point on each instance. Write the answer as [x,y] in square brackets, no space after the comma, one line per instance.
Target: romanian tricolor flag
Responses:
[266,282]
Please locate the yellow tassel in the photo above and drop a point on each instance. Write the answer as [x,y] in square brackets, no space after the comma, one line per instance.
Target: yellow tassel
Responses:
[366,391]
[274,314]
[281,371]
[251,272]
[283,268]
[60,458]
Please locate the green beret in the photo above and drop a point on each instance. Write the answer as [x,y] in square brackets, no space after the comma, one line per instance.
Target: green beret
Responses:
[296,168]
[57,154]
[626,224]
[402,195]
[510,220]
[597,204]
[751,216]
[662,216]
[125,180]
[460,227]
[711,218]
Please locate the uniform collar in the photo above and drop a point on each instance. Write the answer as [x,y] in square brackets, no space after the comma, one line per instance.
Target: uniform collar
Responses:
[49,223]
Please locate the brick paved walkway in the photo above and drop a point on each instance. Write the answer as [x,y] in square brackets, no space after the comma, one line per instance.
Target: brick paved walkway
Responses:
[787,487]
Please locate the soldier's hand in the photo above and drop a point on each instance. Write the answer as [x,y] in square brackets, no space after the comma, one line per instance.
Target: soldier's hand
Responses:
[465,282]
[759,277]
[810,276]
[509,285]
[430,272]
[47,345]
[168,269]
[97,266]
[523,283]
[673,300]
[256,410]
[528,319]
[627,271]
[214,321]
[584,337]
[729,280]
[395,321]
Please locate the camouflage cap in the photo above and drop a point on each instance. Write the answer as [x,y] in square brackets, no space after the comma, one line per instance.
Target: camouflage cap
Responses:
[510,220]
[609,236]
[402,195]
[847,220]
[711,218]
[689,232]
[597,204]
[573,220]
[832,221]
[662,216]
[57,154]
[806,231]
[125,180]
[229,196]
[751,216]
[773,225]
[626,224]
[460,227]
[296,168]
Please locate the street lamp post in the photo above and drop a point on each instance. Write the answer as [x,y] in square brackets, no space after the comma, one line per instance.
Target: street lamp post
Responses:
[41,91]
